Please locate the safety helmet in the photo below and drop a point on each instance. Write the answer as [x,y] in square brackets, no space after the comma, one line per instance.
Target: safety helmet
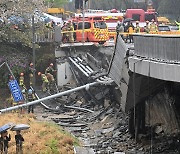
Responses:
[51,64]
[137,22]
[147,21]
[152,20]
[21,74]
[23,91]
[31,64]
[11,77]
[39,73]
[118,22]
[30,91]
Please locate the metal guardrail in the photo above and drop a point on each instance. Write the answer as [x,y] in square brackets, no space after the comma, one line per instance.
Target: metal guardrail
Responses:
[39,38]
[162,47]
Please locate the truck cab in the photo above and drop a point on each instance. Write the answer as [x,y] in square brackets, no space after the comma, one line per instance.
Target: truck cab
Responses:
[94,31]
[141,16]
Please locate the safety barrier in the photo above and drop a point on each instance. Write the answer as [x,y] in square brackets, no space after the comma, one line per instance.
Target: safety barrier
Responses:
[158,46]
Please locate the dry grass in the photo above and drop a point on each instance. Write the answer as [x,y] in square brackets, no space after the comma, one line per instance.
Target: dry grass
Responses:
[41,138]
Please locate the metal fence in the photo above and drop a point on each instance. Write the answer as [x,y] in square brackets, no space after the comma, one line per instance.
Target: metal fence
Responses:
[162,47]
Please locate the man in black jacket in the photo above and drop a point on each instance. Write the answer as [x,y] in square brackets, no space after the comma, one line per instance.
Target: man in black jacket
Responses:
[19,139]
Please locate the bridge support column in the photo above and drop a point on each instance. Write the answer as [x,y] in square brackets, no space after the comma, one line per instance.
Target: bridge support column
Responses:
[137,123]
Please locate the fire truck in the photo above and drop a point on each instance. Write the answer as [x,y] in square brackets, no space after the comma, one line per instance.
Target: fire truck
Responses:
[141,15]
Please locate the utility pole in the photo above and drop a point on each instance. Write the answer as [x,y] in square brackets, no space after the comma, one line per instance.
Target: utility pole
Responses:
[83,12]
[33,48]
[89,4]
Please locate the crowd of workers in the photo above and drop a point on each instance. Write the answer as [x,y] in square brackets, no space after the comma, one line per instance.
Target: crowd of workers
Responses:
[126,30]
[48,81]
[5,138]
[47,78]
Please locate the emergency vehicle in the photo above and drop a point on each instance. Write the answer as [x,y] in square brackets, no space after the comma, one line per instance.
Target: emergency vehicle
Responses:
[95,30]
[110,17]
[141,16]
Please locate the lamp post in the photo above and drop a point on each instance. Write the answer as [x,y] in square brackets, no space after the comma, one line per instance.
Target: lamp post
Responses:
[33,48]
[83,12]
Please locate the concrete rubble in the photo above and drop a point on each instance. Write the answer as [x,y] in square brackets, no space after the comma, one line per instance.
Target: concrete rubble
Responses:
[105,131]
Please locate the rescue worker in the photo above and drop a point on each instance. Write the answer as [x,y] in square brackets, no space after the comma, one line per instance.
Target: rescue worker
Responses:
[131,31]
[45,84]
[24,93]
[31,70]
[49,72]
[65,35]
[19,140]
[21,81]
[49,25]
[120,28]
[71,32]
[4,139]
[10,77]
[178,23]
[137,28]
[153,26]
[146,28]
[30,97]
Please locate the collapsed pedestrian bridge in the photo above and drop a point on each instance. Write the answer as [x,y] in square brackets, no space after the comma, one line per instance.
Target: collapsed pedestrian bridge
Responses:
[148,76]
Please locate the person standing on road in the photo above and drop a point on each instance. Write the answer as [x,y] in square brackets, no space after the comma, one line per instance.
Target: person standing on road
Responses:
[137,28]
[45,84]
[19,140]
[120,28]
[31,97]
[71,32]
[21,81]
[131,31]
[178,23]
[146,28]
[49,72]
[153,26]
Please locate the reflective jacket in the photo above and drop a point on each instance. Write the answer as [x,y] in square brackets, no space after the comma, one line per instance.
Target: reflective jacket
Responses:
[21,80]
[44,78]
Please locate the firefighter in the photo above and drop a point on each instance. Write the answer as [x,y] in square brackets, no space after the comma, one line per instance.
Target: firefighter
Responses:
[21,81]
[71,32]
[65,36]
[153,26]
[45,84]
[137,28]
[131,31]
[30,97]
[31,70]
[178,23]
[19,140]
[49,73]
[146,28]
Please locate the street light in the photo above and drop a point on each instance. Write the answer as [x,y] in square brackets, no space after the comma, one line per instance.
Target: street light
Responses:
[83,12]
[33,48]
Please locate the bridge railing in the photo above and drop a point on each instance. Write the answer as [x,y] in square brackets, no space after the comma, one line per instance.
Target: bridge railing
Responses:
[162,47]
[39,37]
[45,37]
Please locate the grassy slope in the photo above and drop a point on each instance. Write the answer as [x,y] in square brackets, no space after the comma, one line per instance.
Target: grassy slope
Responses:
[41,138]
